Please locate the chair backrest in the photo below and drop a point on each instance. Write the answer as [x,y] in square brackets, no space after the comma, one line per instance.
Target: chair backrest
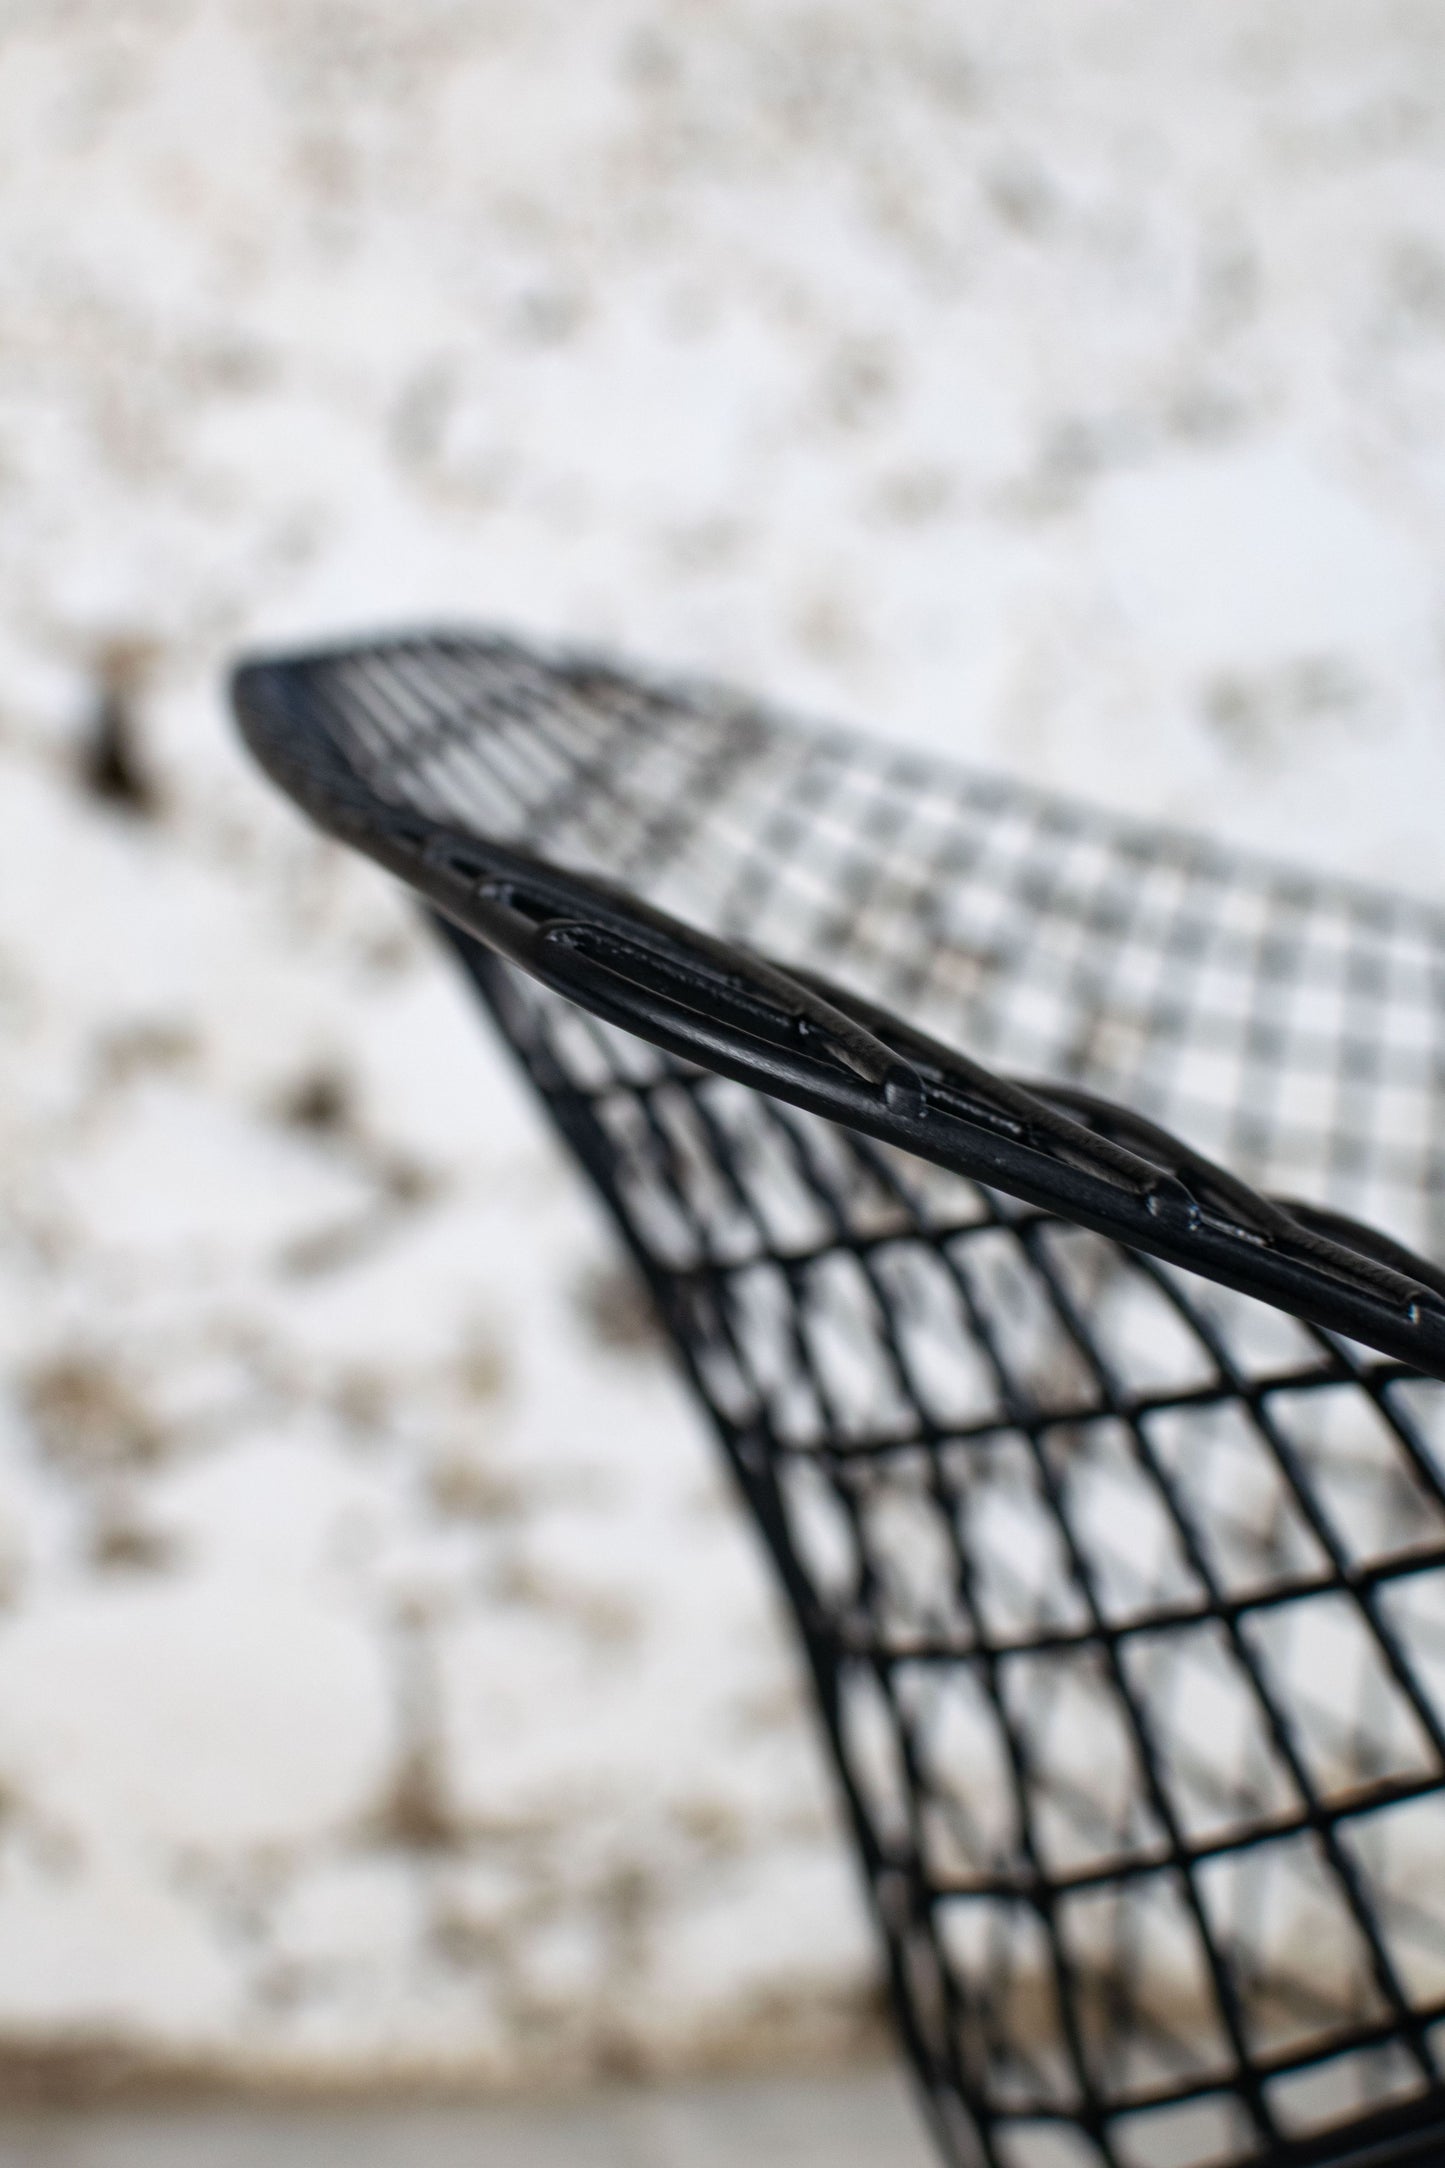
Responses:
[1108,1495]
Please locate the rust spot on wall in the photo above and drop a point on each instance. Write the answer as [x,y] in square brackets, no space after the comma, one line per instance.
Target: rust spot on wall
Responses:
[88,1416]
[113,766]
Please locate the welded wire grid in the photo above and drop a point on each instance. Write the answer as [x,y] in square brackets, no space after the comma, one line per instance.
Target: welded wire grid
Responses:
[1123,1594]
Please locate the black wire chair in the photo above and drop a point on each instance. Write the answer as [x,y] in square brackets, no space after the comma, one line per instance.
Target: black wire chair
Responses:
[1107,1489]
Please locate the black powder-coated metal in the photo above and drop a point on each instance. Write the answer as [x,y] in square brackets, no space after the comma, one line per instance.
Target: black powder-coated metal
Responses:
[1107,1488]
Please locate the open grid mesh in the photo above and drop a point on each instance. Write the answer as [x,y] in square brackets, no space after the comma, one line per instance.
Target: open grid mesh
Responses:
[1123,1593]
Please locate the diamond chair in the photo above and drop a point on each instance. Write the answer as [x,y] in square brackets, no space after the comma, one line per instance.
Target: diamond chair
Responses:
[1106,1488]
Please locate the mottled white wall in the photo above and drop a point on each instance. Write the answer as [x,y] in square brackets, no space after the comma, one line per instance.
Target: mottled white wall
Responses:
[385,1684]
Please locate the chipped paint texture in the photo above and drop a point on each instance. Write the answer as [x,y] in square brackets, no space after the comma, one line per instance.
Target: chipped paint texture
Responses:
[386,1686]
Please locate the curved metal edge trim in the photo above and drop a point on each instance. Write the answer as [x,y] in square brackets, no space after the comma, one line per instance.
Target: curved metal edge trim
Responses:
[787,1034]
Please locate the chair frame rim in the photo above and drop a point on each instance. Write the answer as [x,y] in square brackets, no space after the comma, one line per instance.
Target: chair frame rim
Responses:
[723,1007]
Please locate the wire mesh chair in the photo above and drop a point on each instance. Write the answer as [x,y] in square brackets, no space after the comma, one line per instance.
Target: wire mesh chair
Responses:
[1107,1490]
